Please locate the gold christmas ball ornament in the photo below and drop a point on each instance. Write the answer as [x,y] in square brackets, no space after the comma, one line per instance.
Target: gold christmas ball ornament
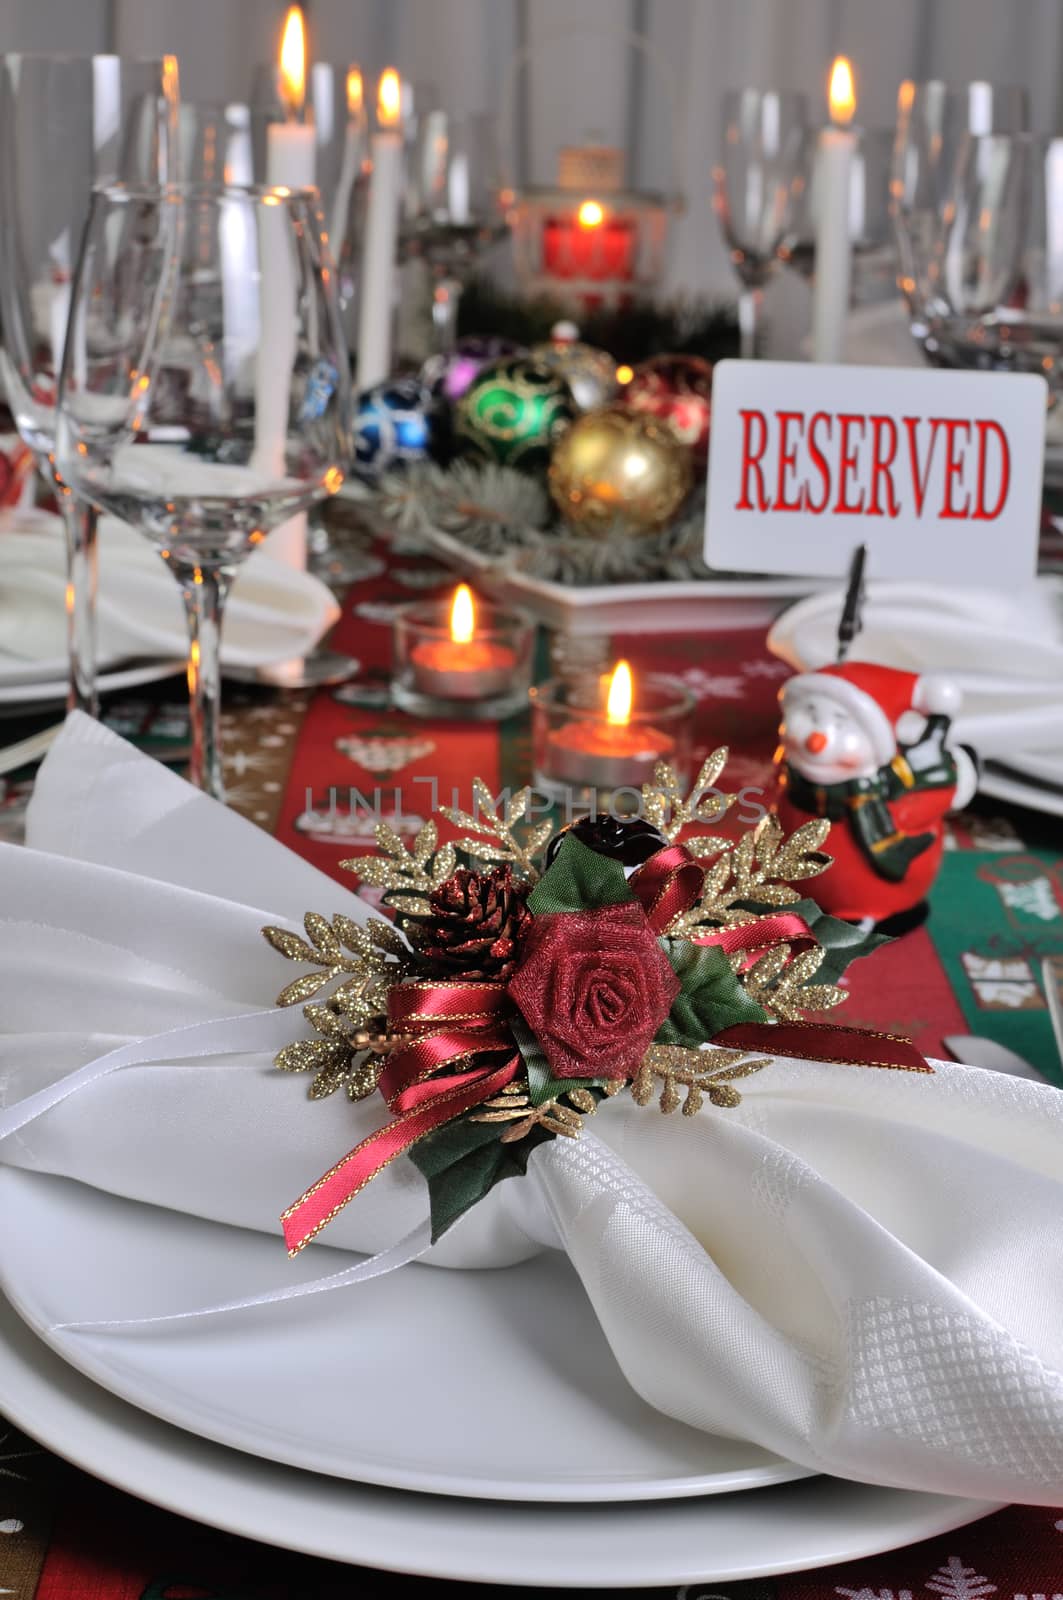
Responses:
[619,469]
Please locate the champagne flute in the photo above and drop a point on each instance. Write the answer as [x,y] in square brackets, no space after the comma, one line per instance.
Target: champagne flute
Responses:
[870,226]
[452,209]
[933,119]
[995,273]
[66,122]
[762,142]
[205,394]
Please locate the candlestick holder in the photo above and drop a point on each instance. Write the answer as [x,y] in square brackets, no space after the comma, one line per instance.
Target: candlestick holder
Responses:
[482,679]
[582,757]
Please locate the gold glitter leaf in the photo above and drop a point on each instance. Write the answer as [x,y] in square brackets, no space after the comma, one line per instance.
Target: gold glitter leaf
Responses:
[385,938]
[707,844]
[425,843]
[351,934]
[667,807]
[513,1106]
[518,805]
[308,1055]
[289,944]
[484,852]
[444,864]
[301,989]
[698,1072]
[326,1021]
[319,932]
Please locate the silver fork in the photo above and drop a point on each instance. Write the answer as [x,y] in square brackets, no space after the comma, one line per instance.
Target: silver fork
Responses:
[31,749]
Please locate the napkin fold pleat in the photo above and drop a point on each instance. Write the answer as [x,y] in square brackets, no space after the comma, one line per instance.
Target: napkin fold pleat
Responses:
[860,1270]
[274,612]
[1005,651]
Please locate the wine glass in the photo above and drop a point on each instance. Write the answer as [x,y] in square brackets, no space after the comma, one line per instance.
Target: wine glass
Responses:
[870,224]
[205,393]
[933,119]
[452,208]
[763,132]
[994,275]
[66,123]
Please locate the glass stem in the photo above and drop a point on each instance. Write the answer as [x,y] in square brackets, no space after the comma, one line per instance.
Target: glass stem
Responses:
[79,520]
[446,293]
[204,590]
[748,315]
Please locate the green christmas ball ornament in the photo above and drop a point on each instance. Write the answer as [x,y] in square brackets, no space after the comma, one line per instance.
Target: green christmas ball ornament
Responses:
[514,413]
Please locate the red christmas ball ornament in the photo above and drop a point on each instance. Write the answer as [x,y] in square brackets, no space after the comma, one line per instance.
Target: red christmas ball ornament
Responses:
[676,390]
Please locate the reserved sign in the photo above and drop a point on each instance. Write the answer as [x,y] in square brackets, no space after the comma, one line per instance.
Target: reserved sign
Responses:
[939,473]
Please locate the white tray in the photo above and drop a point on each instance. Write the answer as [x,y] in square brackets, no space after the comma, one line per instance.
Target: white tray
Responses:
[660,606]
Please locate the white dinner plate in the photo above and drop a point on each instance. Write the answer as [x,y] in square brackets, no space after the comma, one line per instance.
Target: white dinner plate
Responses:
[26,692]
[789,1529]
[447,1382]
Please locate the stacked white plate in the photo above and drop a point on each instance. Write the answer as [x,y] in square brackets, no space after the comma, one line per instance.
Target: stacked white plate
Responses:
[458,1424]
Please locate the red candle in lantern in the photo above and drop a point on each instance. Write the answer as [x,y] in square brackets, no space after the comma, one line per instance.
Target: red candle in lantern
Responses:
[591,245]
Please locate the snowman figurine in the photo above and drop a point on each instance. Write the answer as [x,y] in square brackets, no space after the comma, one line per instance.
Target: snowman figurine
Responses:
[867,747]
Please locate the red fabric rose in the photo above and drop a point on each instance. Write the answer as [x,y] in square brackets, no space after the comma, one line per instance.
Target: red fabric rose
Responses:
[594,987]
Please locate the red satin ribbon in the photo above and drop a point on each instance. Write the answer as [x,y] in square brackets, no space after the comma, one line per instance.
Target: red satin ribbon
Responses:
[445,1024]
[668,884]
[823,1041]
[753,938]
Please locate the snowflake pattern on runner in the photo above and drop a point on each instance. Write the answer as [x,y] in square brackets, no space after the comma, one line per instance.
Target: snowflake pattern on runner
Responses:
[762,668]
[954,1581]
[712,686]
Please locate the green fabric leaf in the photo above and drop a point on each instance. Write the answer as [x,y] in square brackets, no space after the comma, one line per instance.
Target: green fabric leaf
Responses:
[711,997]
[542,1085]
[462,1162]
[843,942]
[579,879]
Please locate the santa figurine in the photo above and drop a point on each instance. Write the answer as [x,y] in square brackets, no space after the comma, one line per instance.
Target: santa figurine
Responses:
[867,747]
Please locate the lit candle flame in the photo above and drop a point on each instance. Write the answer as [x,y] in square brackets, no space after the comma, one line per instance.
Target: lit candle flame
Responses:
[293,64]
[591,214]
[841,95]
[618,701]
[624,373]
[355,92]
[462,615]
[389,99]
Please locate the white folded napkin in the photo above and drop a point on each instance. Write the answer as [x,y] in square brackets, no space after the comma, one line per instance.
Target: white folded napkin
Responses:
[859,1269]
[1005,651]
[273,614]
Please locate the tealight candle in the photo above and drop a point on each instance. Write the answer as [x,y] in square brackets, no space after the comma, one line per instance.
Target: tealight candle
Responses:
[590,741]
[458,663]
[834,160]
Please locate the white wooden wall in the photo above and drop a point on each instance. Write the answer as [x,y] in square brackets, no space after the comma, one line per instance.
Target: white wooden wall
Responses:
[461,48]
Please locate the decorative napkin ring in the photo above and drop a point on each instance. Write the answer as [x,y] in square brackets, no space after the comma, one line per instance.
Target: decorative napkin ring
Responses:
[538,975]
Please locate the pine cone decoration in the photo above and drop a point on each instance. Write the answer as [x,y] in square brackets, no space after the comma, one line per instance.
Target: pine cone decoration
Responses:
[476,923]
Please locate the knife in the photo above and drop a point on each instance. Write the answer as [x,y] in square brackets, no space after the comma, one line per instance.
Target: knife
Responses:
[1050,977]
[974,1050]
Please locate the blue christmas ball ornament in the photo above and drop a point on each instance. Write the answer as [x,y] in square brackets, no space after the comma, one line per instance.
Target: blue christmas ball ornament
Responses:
[394,424]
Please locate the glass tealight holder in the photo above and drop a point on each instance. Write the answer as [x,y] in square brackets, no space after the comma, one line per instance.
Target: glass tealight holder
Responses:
[482,679]
[581,757]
